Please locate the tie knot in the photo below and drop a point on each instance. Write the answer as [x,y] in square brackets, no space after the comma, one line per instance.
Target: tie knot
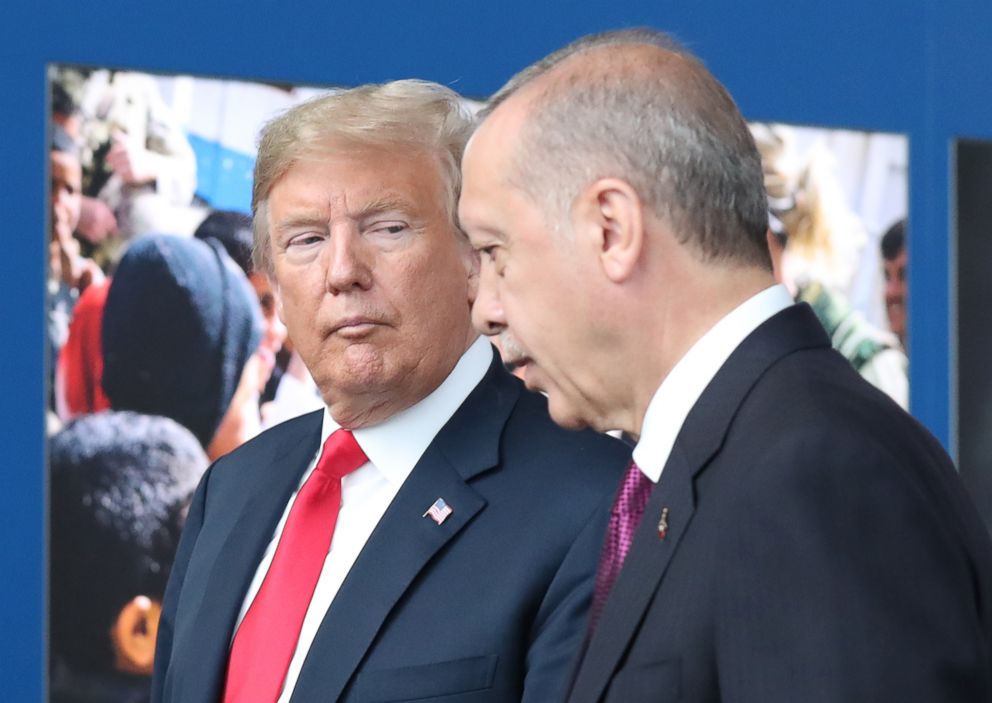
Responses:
[341,455]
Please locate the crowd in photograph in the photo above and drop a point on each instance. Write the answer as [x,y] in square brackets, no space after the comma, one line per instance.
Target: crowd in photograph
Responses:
[165,352]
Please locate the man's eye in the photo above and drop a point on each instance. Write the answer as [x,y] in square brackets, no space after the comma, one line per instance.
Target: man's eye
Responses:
[491,256]
[388,228]
[304,239]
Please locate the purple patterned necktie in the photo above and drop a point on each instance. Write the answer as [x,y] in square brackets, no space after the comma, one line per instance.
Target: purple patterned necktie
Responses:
[624,518]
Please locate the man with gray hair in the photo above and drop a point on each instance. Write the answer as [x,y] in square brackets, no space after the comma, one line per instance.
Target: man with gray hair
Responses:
[425,552]
[787,533]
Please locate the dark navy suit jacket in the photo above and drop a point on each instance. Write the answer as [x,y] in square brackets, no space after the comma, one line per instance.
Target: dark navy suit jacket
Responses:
[819,547]
[488,606]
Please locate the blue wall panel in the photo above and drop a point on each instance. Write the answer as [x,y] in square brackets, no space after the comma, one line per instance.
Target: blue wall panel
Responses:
[915,66]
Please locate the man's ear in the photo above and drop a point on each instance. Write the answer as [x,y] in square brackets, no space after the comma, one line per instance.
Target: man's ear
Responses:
[609,215]
[133,634]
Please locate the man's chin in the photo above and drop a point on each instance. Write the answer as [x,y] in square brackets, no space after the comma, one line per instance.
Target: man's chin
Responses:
[563,415]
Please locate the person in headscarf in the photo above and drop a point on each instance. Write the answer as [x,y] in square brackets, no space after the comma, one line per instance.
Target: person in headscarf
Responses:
[181,330]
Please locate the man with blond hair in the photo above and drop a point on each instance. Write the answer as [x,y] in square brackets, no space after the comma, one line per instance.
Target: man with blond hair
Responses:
[442,544]
[787,532]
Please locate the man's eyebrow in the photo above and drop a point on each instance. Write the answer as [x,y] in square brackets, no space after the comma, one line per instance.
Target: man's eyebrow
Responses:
[488,231]
[382,204]
[301,218]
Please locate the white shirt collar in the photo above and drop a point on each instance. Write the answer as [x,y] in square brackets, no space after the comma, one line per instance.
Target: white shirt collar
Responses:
[687,380]
[395,445]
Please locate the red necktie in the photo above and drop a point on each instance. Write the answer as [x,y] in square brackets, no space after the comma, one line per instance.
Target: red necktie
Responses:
[264,644]
[624,518]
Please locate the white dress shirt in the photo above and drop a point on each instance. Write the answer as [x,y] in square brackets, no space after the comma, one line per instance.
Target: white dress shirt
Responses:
[687,380]
[393,448]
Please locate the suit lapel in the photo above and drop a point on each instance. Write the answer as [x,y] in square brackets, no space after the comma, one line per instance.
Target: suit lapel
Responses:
[239,557]
[399,548]
[646,562]
[700,438]
[404,542]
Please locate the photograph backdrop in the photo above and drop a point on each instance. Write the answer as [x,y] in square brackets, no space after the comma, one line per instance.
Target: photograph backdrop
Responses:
[916,68]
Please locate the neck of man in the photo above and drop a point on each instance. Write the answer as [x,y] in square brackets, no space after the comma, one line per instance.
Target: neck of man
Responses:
[689,304]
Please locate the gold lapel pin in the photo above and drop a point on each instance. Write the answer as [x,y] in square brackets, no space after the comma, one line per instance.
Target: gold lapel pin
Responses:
[663,524]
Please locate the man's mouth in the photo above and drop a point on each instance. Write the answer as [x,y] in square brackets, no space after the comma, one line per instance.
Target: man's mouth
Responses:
[354,327]
[523,368]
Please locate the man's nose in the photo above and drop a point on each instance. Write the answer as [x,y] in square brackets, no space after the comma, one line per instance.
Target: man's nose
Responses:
[348,261]
[487,310]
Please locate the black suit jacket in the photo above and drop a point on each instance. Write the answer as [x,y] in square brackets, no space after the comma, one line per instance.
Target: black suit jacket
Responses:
[819,548]
[488,606]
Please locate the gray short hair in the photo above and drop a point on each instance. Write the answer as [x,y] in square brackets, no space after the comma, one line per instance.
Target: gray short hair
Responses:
[660,121]
[406,114]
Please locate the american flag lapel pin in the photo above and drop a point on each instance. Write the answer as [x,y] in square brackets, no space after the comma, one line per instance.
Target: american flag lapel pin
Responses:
[663,524]
[438,512]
